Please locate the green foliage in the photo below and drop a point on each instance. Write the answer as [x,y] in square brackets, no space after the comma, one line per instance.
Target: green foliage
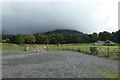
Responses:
[103,36]
[41,39]
[52,39]
[30,39]
[118,36]
[63,37]
[93,37]
[4,37]
[56,38]
[19,39]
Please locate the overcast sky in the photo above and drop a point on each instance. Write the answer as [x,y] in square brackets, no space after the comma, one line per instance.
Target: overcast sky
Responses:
[87,16]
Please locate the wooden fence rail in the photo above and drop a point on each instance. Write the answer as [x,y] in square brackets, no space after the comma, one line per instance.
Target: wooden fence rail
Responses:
[113,53]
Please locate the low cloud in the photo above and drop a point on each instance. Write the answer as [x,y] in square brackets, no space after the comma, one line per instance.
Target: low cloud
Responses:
[85,16]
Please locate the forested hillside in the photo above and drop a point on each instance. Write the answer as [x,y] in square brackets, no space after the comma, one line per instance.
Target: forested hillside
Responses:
[62,36]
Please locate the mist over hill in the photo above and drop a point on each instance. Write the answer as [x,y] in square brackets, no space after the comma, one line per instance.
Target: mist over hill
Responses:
[63,31]
[57,31]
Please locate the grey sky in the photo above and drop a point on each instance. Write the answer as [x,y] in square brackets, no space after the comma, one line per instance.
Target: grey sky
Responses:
[84,15]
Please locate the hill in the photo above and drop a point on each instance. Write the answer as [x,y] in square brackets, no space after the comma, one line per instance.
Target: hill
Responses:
[66,36]
[63,31]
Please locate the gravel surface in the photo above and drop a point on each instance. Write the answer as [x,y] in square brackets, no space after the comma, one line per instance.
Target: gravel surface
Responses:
[54,64]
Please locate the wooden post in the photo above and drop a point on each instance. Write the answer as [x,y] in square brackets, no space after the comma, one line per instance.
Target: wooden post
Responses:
[93,50]
[108,50]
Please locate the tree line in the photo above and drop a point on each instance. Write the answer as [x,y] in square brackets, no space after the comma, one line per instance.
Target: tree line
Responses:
[62,38]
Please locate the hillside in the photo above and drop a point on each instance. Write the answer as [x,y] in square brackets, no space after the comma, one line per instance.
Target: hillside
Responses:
[66,36]
[63,31]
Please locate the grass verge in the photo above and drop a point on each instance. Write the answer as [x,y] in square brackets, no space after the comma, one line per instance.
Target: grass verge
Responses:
[103,51]
[110,74]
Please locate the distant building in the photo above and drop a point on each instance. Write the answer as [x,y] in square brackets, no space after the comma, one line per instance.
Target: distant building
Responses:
[99,43]
[107,43]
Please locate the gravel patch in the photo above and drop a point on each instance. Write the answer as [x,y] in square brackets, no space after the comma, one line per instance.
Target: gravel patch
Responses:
[54,64]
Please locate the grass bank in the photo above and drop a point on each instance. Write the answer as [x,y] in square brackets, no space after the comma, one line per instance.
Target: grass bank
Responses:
[103,51]
[110,74]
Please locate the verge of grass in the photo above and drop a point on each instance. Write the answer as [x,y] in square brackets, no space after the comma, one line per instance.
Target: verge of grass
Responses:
[85,48]
[81,47]
[11,46]
[110,74]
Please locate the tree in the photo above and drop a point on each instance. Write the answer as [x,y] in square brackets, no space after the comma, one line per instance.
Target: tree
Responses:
[86,39]
[76,38]
[19,39]
[52,39]
[4,37]
[113,37]
[68,38]
[56,38]
[103,36]
[93,37]
[30,39]
[59,38]
[118,36]
[41,39]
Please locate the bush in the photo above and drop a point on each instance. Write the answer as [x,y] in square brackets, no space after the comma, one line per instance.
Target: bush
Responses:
[19,39]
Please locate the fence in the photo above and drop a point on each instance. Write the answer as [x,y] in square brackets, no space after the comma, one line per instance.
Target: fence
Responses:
[112,53]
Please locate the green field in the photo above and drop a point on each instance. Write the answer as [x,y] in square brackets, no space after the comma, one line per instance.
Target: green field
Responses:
[11,46]
[82,47]
[8,46]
